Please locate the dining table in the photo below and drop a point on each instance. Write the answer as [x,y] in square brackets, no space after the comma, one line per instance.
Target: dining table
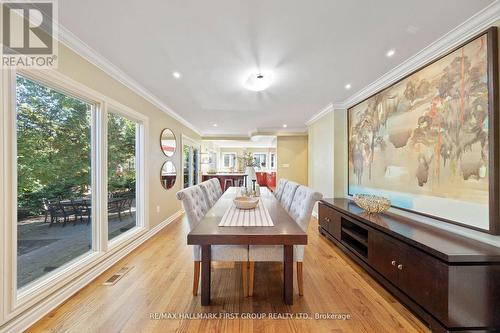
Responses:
[284,232]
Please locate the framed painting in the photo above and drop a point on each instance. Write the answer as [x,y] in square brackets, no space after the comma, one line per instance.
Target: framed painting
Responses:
[430,142]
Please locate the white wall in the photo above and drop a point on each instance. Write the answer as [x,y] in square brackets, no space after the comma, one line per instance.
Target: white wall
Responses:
[321,159]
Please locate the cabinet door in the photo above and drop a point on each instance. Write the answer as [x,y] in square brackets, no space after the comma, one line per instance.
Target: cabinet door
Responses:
[384,255]
[323,222]
[329,219]
[424,279]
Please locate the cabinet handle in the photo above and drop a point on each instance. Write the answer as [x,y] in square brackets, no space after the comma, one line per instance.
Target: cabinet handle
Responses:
[393,263]
[400,267]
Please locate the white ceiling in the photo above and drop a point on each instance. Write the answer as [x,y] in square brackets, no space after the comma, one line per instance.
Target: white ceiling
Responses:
[257,141]
[313,47]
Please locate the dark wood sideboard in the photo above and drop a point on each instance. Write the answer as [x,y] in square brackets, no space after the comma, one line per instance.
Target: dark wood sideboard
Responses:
[451,282]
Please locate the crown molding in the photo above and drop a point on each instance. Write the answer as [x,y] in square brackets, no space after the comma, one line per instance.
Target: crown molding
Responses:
[82,49]
[466,30]
[323,112]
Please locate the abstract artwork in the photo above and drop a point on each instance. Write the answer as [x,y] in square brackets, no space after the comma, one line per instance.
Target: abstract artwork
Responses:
[424,141]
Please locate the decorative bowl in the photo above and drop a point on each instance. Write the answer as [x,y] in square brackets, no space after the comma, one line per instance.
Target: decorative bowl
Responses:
[372,203]
[245,202]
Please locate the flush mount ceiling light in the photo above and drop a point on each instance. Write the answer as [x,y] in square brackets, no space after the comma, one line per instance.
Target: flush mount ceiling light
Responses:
[258,81]
[347,86]
[176,75]
[285,125]
[390,53]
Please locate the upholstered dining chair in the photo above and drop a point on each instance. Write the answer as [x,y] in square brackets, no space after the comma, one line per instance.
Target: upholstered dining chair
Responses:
[210,192]
[301,208]
[195,205]
[279,189]
[288,193]
[217,186]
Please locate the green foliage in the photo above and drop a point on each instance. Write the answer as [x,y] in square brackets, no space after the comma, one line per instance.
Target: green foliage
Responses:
[121,153]
[54,147]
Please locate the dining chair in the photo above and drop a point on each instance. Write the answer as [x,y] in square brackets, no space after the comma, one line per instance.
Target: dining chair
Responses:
[287,195]
[217,186]
[210,192]
[279,189]
[301,208]
[195,205]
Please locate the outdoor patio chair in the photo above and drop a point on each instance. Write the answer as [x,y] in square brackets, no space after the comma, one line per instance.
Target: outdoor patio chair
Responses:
[116,206]
[57,210]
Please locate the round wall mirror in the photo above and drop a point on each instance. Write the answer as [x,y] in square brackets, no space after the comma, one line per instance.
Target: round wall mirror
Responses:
[167,142]
[168,175]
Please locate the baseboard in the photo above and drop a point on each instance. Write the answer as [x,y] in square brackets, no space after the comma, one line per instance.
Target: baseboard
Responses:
[35,313]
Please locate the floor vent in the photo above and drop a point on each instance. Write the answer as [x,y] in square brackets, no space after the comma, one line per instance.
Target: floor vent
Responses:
[117,276]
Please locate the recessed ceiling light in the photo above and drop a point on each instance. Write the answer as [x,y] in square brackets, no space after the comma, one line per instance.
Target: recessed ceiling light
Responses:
[285,125]
[348,86]
[258,80]
[390,53]
[176,75]
[215,125]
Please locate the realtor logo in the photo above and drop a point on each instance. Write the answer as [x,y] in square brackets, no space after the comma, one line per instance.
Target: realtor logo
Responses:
[28,34]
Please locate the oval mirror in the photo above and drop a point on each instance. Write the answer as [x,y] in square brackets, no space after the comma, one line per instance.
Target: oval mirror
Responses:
[168,175]
[167,142]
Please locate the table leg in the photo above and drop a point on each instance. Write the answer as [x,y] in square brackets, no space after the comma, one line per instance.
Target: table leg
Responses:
[205,274]
[288,274]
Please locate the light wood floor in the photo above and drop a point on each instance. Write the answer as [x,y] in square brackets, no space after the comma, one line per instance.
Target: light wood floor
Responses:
[161,282]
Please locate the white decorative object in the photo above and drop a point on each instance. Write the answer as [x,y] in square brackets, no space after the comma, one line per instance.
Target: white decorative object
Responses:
[251,175]
[245,202]
[250,172]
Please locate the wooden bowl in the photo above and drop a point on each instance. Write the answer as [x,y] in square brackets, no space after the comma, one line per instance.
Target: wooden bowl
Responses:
[372,203]
[245,202]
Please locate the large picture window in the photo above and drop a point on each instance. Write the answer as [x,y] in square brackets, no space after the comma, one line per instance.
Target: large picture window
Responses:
[78,180]
[54,187]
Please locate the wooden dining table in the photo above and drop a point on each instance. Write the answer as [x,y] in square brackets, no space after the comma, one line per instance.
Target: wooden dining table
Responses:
[285,232]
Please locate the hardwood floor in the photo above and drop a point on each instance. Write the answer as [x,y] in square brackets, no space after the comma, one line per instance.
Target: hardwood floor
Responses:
[161,283]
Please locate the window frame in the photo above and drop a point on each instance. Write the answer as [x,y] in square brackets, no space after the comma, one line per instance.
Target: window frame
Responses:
[16,301]
[141,215]
[234,160]
[272,161]
[266,157]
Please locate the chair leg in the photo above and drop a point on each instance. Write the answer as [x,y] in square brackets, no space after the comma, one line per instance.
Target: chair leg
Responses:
[251,266]
[196,277]
[244,273]
[300,278]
